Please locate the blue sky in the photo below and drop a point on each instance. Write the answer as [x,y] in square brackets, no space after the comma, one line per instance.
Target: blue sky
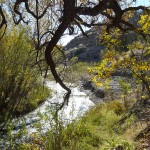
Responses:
[143,2]
[65,39]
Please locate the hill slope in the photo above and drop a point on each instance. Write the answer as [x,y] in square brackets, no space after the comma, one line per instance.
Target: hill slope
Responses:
[85,48]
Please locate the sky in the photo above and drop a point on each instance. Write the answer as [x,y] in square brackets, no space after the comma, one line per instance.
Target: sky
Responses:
[67,38]
[143,2]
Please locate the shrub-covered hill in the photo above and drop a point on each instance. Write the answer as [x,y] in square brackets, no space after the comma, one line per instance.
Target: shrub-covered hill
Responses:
[86,49]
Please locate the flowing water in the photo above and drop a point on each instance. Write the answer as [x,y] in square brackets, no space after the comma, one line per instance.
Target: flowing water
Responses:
[41,118]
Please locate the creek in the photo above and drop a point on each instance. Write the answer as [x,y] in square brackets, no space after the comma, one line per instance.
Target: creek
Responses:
[41,119]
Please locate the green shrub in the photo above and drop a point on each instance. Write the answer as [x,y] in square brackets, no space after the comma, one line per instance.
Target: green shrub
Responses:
[118,144]
[79,51]
[117,106]
[86,133]
[20,89]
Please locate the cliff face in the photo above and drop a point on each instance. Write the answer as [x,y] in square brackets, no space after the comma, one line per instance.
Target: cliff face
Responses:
[85,48]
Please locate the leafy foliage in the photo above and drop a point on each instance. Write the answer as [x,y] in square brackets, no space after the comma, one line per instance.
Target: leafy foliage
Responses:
[135,60]
[21,88]
[50,20]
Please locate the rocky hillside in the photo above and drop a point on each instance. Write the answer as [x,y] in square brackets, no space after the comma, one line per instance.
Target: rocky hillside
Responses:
[85,48]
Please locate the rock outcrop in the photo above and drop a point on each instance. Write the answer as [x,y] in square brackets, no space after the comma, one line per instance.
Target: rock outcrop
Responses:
[86,49]
[99,94]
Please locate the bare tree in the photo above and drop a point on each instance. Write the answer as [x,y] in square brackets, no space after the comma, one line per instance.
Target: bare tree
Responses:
[55,17]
